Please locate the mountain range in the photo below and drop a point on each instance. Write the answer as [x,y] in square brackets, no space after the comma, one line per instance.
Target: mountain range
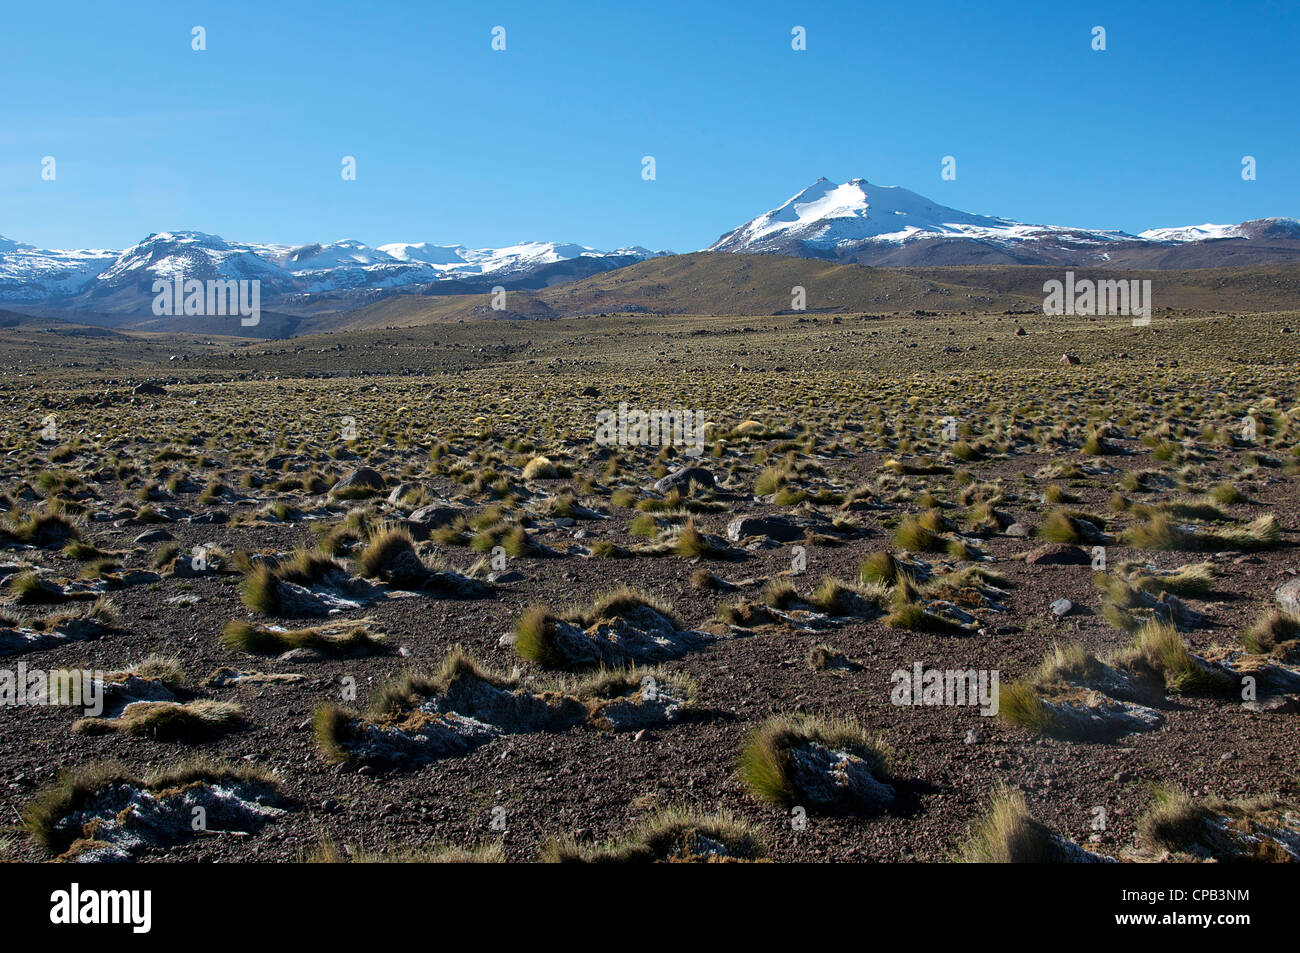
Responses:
[866,224]
[851,223]
[344,273]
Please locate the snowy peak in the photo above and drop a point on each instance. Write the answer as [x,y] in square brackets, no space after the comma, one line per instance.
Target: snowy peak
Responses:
[887,225]
[827,215]
[347,266]
[198,255]
[1259,228]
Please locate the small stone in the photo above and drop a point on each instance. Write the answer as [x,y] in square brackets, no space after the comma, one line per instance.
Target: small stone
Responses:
[153,536]
[1057,554]
[1288,596]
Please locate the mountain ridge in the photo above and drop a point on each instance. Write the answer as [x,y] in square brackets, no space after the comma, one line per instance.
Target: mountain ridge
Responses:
[855,222]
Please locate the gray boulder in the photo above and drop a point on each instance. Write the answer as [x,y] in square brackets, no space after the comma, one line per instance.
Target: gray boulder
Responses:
[367,478]
[1288,596]
[681,479]
[785,529]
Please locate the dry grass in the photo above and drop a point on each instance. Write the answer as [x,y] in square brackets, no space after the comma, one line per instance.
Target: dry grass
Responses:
[764,763]
[671,835]
[1008,834]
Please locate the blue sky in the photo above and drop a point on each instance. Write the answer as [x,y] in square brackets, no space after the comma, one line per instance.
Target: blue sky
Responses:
[457,143]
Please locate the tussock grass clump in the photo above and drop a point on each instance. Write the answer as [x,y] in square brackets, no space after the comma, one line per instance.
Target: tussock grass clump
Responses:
[671,835]
[1227,494]
[965,578]
[387,549]
[540,468]
[1159,650]
[1161,532]
[1067,664]
[78,787]
[263,640]
[329,724]
[307,567]
[30,589]
[1245,829]
[535,637]
[330,852]
[908,612]
[1062,526]
[82,551]
[1172,820]
[914,537]
[407,690]
[1008,834]
[765,759]
[260,589]
[535,627]
[198,720]
[1194,579]
[922,466]
[1271,630]
[780,593]
[691,543]
[457,682]
[163,668]
[822,657]
[706,579]
[102,612]
[837,597]
[879,567]
[39,527]
[1096,445]
[1020,704]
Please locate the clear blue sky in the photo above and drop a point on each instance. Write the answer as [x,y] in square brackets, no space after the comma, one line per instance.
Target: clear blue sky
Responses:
[457,143]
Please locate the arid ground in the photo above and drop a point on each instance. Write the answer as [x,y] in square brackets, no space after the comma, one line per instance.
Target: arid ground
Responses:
[382,594]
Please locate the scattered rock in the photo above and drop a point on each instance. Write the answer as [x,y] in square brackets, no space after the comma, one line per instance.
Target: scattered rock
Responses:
[785,529]
[1288,596]
[1061,607]
[367,478]
[681,480]
[1057,554]
[149,536]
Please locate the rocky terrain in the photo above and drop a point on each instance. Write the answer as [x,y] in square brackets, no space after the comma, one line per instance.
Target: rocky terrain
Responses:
[383,594]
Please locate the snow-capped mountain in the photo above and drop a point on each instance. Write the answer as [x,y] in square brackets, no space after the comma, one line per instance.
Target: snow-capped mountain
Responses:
[30,274]
[853,222]
[1259,228]
[888,225]
[346,270]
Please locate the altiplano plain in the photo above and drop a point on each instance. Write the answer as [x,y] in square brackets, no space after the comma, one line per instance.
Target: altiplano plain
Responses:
[380,593]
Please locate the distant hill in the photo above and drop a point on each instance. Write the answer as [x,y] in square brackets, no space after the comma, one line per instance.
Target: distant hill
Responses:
[721,283]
